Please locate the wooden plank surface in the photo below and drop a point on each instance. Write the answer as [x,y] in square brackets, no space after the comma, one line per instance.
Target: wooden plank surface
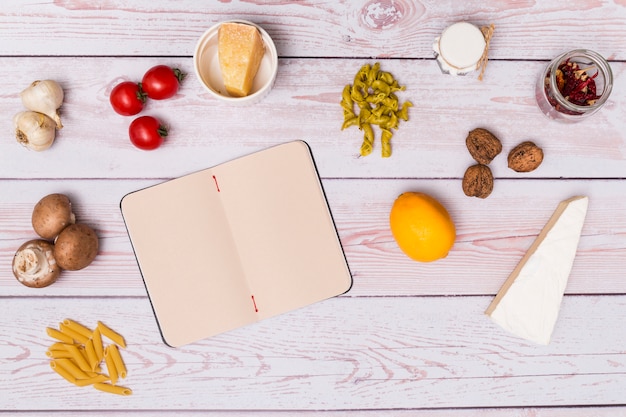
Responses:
[604,411]
[204,132]
[344,353]
[493,235]
[398,29]
[408,339]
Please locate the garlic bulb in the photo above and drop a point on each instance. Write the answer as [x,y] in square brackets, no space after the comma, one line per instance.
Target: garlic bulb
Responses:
[44,97]
[34,130]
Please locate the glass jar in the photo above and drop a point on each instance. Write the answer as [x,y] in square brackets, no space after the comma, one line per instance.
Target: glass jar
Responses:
[459,49]
[575,85]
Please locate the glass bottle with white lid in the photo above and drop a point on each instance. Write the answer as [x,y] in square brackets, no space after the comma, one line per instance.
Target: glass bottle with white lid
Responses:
[460,48]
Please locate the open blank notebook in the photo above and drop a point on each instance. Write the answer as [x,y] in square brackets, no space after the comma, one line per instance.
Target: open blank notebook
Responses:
[234,244]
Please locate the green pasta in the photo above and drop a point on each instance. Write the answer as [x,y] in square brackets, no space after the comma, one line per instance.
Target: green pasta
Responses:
[368,140]
[373,91]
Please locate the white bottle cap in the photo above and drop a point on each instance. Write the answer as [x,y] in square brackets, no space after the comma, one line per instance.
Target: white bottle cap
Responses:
[460,48]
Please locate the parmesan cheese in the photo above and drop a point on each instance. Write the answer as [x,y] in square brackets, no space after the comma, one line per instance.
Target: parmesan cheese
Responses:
[528,303]
[240,51]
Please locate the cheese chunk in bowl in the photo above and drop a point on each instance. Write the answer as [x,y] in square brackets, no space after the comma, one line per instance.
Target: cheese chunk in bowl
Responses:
[239,50]
[236,61]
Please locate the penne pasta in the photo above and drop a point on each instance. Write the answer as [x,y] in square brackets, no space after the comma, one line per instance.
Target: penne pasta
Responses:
[71,368]
[62,372]
[79,353]
[54,333]
[77,327]
[97,344]
[78,358]
[72,333]
[111,334]
[58,354]
[113,389]
[114,353]
[58,346]
[90,351]
[108,360]
[91,380]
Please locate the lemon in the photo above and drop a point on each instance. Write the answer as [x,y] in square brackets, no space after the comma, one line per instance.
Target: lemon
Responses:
[422,227]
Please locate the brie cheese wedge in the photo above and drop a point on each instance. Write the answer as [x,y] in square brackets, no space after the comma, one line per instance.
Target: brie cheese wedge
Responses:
[528,303]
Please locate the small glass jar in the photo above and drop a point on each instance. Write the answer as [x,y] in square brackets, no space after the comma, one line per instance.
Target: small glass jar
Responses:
[459,49]
[575,85]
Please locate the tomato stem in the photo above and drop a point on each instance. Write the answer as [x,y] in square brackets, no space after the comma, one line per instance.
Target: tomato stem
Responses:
[180,76]
[141,95]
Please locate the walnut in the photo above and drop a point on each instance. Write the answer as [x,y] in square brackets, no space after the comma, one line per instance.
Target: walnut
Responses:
[525,157]
[478,181]
[483,145]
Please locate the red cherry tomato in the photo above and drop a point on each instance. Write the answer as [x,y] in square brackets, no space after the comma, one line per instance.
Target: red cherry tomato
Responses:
[162,82]
[147,133]
[127,98]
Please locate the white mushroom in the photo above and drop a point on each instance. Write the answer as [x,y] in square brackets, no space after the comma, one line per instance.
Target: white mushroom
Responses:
[34,264]
[51,215]
[76,247]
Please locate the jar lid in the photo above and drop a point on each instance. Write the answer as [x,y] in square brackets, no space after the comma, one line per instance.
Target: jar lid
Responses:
[461,46]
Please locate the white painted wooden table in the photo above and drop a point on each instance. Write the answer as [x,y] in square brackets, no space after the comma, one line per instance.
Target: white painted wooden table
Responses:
[408,339]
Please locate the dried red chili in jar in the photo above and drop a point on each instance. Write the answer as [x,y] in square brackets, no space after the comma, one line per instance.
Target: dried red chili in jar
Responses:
[573,85]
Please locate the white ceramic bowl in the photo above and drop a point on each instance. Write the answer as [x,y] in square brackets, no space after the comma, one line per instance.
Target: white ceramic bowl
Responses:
[207,67]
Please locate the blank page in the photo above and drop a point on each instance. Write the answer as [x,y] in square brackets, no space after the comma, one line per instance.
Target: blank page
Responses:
[283,229]
[187,258]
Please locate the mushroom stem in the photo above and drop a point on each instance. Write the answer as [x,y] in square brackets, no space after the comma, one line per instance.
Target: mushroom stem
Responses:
[30,261]
[34,264]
